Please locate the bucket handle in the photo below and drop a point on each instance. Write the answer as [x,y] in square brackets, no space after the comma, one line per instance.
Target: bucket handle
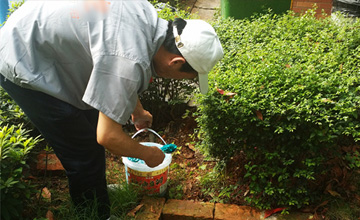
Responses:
[151,130]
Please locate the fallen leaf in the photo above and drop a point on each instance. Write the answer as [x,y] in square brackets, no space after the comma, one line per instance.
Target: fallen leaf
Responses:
[189,155]
[270,212]
[133,212]
[46,194]
[189,186]
[49,215]
[190,146]
[152,209]
[247,191]
[321,205]
[334,193]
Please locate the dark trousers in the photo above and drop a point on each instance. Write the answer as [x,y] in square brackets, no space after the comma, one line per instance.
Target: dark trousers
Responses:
[71,132]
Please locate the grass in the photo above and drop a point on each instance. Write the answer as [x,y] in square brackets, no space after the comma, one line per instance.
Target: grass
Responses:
[123,198]
[342,210]
[176,184]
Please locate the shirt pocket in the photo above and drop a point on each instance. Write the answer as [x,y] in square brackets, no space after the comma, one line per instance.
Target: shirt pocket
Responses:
[30,68]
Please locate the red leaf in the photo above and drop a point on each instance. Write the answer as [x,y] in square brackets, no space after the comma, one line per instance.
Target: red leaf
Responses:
[222,92]
[268,213]
[259,115]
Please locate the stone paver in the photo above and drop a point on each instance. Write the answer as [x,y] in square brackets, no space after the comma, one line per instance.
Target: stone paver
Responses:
[204,14]
[189,4]
[187,210]
[155,208]
[152,208]
[231,212]
[206,9]
[206,4]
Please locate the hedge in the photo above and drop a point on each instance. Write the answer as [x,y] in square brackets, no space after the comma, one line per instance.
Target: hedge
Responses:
[287,96]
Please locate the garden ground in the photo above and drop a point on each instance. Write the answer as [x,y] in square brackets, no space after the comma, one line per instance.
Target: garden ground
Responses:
[187,178]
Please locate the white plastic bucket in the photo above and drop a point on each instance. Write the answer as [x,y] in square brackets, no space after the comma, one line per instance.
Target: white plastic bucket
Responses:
[153,181]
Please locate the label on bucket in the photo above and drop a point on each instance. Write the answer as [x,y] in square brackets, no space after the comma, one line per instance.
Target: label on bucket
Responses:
[154,182]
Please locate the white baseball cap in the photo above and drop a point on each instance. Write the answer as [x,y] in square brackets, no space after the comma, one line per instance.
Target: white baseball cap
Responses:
[201,48]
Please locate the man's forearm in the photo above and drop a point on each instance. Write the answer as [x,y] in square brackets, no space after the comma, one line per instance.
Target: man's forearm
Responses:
[138,109]
[111,135]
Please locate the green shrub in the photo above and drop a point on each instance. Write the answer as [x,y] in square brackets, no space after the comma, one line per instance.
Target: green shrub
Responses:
[10,112]
[290,101]
[15,145]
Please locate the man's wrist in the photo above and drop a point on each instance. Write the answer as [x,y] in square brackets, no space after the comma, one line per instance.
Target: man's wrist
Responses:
[145,153]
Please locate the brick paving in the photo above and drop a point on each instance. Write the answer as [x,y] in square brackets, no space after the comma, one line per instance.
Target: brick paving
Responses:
[48,162]
[205,9]
[152,208]
[187,210]
[155,208]
[231,212]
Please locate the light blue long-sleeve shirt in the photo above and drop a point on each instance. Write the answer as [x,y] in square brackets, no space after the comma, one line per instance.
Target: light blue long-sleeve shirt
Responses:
[91,55]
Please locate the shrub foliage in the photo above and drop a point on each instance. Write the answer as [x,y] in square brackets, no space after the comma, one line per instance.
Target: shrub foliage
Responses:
[10,112]
[287,95]
[15,146]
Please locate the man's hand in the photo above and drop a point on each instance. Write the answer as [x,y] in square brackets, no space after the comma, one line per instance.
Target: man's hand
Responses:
[140,117]
[142,120]
[154,157]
